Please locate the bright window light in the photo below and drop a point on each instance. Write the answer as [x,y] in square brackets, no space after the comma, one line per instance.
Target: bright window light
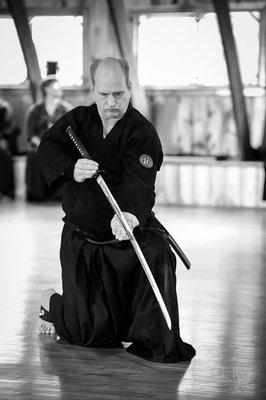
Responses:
[60,39]
[210,67]
[180,50]
[167,51]
[246,31]
[12,66]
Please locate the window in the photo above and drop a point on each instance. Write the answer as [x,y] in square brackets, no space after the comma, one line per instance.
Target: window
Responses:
[60,39]
[246,31]
[182,50]
[12,66]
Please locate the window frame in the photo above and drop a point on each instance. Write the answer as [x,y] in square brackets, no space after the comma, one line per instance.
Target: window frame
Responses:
[200,88]
[34,12]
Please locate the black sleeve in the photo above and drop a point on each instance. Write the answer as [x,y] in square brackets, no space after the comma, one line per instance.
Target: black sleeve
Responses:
[56,153]
[31,123]
[141,161]
[6,119]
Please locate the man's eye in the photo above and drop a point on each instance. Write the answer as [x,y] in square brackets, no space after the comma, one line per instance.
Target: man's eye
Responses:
[103,95]
[118,94]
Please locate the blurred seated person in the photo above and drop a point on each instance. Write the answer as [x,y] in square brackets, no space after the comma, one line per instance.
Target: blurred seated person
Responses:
[40,117]
[6,163]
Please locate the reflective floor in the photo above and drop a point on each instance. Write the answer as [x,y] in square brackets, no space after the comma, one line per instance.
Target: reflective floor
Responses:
[222,304]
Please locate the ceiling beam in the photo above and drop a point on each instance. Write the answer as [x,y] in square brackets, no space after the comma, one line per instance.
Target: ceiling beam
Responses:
[119,19]
[193,8]
[39,7]
[18,11]
[222,10]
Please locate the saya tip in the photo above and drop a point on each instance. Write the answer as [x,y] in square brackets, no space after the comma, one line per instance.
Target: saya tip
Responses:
[167,319]
[169,324]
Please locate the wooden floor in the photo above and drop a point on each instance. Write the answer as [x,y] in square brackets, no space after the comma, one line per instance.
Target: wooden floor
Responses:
[222,309]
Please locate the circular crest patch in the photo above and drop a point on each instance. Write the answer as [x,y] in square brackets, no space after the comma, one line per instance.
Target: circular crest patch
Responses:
[146,161]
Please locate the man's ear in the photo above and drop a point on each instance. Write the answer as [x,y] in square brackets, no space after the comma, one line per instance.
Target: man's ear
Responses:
[130,88]
[91,87]
[92,90]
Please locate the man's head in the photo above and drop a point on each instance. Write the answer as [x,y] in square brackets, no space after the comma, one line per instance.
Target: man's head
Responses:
[50,87]
[111,87]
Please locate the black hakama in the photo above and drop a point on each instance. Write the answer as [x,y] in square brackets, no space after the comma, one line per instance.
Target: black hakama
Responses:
[7,183]
[37,187]
[107,298]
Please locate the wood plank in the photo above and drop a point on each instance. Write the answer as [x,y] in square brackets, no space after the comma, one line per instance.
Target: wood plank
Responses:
[204,181]
[18,11]
[222,303]
[186,189]
[234,186]
[191,7]
[119,18]
[135,6]
[98,36]
[250,192]
[217,186]
[201,185]
[101,39]
[262,49]
[263,70]
[231,57]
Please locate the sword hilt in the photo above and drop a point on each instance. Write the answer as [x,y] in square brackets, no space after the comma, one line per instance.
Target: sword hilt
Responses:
[81,149]
[77,143]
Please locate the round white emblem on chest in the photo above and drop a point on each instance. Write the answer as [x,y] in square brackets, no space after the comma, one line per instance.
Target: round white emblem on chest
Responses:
[146,161]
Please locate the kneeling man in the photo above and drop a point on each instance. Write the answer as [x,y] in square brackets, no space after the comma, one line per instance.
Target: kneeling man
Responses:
[106,296]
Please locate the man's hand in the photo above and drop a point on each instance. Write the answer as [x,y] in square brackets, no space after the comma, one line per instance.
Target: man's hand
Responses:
[3,144]
[84,169]
[35,141]
[118,230]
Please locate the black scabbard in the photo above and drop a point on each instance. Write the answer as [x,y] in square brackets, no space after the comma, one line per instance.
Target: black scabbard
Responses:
[177,249]
[169,238]
[154,224]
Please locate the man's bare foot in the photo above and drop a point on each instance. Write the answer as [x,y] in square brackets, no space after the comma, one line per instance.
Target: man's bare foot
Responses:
[45,326]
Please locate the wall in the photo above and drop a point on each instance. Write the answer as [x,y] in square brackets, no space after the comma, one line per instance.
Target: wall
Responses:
[207,182]
[202,123]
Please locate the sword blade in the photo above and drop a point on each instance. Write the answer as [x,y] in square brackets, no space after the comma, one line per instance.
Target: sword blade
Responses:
[136,247]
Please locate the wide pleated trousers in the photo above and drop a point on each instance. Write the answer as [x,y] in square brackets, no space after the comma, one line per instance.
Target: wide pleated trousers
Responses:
[107,298]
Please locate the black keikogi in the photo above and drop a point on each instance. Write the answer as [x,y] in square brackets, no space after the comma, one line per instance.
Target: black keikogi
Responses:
[106,296]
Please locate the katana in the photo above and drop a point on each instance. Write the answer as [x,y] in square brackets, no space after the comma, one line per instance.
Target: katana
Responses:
[83,152]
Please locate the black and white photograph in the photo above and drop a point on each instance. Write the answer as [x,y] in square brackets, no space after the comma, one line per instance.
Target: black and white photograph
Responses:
[132,199]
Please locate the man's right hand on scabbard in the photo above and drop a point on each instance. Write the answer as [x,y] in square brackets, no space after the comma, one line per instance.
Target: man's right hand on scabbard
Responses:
[85,169]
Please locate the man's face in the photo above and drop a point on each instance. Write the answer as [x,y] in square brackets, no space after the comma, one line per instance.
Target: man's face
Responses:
[54,90]
[110,92]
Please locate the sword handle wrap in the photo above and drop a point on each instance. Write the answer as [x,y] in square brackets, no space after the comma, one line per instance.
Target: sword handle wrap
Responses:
[77,143]
[81,149]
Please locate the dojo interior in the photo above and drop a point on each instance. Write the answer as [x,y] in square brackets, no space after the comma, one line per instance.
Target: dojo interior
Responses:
[198,72]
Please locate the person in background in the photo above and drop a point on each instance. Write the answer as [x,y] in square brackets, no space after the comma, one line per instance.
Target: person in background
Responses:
[7,186]
[40,117]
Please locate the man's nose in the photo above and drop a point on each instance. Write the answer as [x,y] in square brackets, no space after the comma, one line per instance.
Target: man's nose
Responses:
[111,100]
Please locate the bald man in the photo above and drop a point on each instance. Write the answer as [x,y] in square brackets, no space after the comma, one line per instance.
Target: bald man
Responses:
[106,297]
